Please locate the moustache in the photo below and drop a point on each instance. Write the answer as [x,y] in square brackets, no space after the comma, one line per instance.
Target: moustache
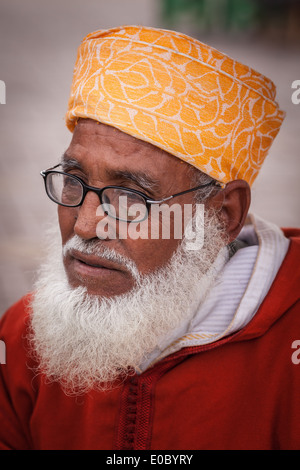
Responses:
[96,248]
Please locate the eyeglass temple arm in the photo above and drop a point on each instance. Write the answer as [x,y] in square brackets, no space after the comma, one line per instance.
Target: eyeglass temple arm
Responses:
[49,169]
[214,183]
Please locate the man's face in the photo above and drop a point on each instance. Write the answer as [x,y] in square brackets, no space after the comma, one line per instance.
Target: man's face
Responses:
[92,334]
[102,155]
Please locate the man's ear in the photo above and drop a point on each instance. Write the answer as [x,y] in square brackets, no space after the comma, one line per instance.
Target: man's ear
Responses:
[232,203]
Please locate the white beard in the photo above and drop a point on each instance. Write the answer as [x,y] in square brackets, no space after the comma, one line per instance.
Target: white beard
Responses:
[84,341]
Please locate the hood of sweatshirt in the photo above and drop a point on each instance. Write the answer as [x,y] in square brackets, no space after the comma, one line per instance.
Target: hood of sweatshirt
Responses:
[261,260]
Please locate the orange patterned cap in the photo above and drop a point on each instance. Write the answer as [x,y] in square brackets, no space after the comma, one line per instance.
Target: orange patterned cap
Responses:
[178,94]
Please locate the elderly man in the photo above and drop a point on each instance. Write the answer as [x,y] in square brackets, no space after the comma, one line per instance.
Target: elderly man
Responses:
[135,338]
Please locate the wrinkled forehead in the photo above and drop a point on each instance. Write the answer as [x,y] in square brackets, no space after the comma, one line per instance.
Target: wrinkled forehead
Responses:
[86,130]
[97,148]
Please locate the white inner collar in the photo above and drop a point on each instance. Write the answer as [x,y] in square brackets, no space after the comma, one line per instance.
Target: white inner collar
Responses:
[239,290]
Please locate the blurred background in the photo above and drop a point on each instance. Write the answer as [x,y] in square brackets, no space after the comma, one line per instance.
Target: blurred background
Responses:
[38,43]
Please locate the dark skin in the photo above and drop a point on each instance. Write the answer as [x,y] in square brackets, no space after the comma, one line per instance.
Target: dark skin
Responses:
[102,155]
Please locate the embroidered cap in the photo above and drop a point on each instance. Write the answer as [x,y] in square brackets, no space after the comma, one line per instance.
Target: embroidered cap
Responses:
[180,95]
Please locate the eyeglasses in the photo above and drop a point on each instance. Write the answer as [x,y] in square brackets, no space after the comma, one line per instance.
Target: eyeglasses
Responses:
[128,205]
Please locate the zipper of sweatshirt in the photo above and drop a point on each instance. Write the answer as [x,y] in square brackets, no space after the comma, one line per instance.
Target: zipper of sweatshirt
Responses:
[134,422]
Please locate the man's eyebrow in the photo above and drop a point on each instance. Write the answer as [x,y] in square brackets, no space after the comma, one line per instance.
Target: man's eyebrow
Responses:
[140,178]
[69,163]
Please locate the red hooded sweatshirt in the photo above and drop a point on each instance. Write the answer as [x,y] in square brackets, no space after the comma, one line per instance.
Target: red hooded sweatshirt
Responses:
[241,392]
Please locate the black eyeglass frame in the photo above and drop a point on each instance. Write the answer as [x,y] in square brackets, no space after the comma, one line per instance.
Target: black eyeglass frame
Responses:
[86,188]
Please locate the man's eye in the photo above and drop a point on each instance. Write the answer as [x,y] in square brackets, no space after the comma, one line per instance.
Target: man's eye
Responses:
[130,196]
[142,191]
[69,181]
[76,174]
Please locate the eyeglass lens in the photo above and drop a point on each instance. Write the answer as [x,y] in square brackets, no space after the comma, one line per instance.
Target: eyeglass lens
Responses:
[122,204]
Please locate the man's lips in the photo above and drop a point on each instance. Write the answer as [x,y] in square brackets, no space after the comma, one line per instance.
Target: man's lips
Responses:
[92,263]
[101,276]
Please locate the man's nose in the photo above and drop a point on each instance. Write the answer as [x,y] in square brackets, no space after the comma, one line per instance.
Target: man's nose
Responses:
[87,217]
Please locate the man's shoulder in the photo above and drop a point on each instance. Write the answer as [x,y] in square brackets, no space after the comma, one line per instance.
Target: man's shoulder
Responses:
[14,330]
[292,257]
[292,233]
[15,319]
